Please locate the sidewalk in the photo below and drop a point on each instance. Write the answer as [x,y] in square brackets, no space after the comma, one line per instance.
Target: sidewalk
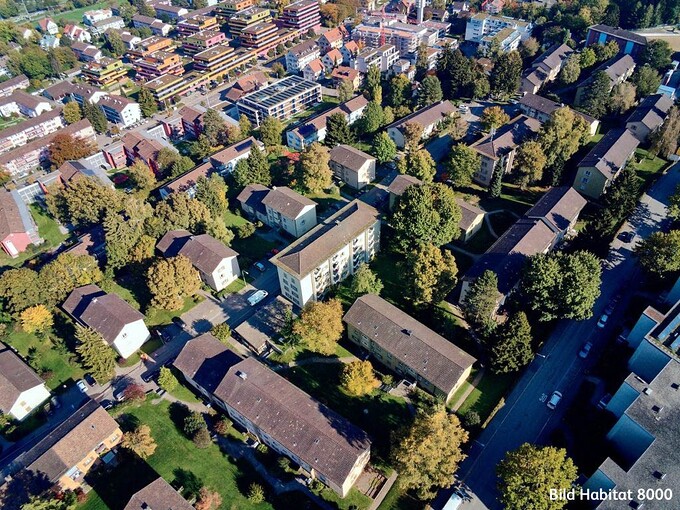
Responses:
[466,394]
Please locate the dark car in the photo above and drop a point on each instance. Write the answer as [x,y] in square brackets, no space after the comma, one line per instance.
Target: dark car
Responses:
[179,322]
[626,237]
[148,377]
[89,379]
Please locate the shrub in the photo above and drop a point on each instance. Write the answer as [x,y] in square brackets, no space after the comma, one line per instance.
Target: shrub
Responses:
[246,230]
[202,438]
[134,393]
[255,493]
[222,332]
[222,427]
[471,419]
[193,423]
[263,449]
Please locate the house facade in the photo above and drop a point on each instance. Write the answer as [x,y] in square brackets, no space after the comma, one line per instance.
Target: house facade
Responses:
[429,117]
[301,55]
[472,219]
[352,166]
[21,390]
[282,99]
[649,116]
[545,68]
[280,207]
[542,109]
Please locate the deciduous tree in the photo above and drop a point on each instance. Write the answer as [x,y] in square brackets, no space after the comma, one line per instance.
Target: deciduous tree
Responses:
[65,273]
[372,118]
[358,379]
[170,281]
[571,70]
[659,254]
[97,357]
[365,281]
[245,126]
[646,80]
[315,172]
[208,499]
[384,149]
[140,442]
[147,103]
[430,274]
[512,349]
[657,54]
[529,163]
[622,98]
[337,130]
[166,158]
[254,169]
[65,147]
[72,112]
[213,126]
[20,288]
[320,326]
[222,332]
[413,135]
[400,91]
[418,163]
[167,380]
[141,176]
[494,117]
[463,164]
[212,192]
[560,137]
[36,319]
[481,301]
[271,131]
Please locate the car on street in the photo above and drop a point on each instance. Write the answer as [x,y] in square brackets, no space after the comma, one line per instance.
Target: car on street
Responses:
[256,297]
[626,237]
[148,377]
[81,385]
[603,321]
[585,350]
[610,308]
[555,399]
[604,401]
[260,266]
[179,322]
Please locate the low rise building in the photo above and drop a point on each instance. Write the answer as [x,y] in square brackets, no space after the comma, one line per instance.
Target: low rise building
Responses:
[332,59]
[429,117]
[346,74]
[649,116]
[16,83]
[329,253]
[171,11]
[384,56]
[471,221]
[156,26]
[398,187]
[158,63]
[37,127]
[224,161]
[301,55]
[545,68]
[95,15]
[158,494]
[485,29]
[22,103]
[542,109]
[48,26]
[86,52]
[138,147]
[279,207]
[77,34]
[617,69]
[314,71]
[332,39]
[120,326]
[629,42]
[100,27]
[407,346]
[352,166]
[21,390]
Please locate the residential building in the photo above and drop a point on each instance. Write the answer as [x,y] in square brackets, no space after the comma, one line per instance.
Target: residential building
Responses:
[603,164]
[471,221]
[121,326]
[282,99]
[159,494]
[37,127]
[407,346]
[225,160]
[201,41]
[332,59]
[93,16]
[329,253]
[642,442]
[21,390]
[215,262]
[246,84]
[332,39]
[138,147]
[16,83]
[100,27]
[542,109]
[264,330]
[349,50]
[86,52]
[105,72]
[314,129]
[629,42]
[279,207]
[186,183]
[193,24]
[542,228]
[346,74]
[618,70]
[225,10]
[77,34]
[23,160]
[301,55]
[649,116]
[158,63]
[497,150]
[302,16]
[545,68]
[49,42]
[352,166]
[152,44]
[508,32]
[429,117]
[398,187]
[247,18]
[260,37]
[171,11]
[218,61]
[22,103]
[314,71]
[120,110]
[68,452]
[323,443]
[405,37]
[48,26]
[493,6]
[93,167]
[156,26]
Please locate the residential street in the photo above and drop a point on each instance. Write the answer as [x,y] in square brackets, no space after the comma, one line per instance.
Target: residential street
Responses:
[525,417]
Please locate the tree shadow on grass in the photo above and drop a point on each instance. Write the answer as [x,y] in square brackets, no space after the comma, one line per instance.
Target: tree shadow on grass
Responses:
[178,413]
[21,488]
[186,483]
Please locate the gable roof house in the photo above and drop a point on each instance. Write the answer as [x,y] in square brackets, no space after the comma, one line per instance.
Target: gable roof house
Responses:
[649,116]
[17,228]
[216,263]
[618,70]
[159,495]
[472,219]
[352,166]
[121,326]
[48,26]
[598,169]
[279,207]
[264,329]
[68,452]
[279,414]
[545,68]
[21,390]
[407,346]
[314,70]
[542,109]
[331,39]
[332,59]
[225,160]
[429,117]
[301,55]
[399,185]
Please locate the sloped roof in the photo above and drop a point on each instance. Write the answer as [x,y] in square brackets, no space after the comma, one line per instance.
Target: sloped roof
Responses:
[652,111]
[15,378]
[205,252]
[426,116]
[401,182]
[560,207]
[287,202]
[233,151]
[469,213]
[611,152]
[252,196]
[11,221]
[332,35]
[507,137]
[316,65]
[159,495]
[620,33]
[350,157]
[205,360]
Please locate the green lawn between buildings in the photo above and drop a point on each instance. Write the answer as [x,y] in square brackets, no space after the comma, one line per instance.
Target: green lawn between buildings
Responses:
[76,15]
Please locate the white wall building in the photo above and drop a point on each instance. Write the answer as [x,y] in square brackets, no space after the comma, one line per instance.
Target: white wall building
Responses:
[21,390]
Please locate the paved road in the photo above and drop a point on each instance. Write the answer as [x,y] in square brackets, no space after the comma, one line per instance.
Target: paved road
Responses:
[525,418]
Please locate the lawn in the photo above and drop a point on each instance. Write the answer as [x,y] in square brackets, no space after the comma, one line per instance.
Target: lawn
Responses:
[325,200]
[386,266]
[178,461]
[480,242]
[232,220]
[251,249]
[512,198]
[76,15]
[158,317]
[648,168]
[491,388]
[11,121]
[354,500]
[111,286]
[182,391]
[300,352]
[397,499]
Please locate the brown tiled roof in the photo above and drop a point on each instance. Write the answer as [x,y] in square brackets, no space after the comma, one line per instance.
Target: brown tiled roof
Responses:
[205,252]
[59,90]
[69,443]
[317,435]
[651,111]
[469,213]
[205,360]
[10,216]
[401,182]
[611,152]
[345,73]
[305,254]
[252,196]
[15,378]
[106,313]
[332,35]
[350,157]
[426,116]
[189,179]
[13,82]
[146,148]
[158,495]
[170,244]
[24,99]
[547,106]
[559,206]
[118,103]
[316,65]
[286,201]
[507,137]
[319,122]
[418,347]
[233,151]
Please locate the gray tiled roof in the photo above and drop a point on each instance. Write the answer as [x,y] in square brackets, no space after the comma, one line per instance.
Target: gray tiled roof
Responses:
[426,116]
[611,152]
[652,111]
[559,206]
[401,182]
[507,137]
[469,213]
[158,495]
[204,251]
[15,378]
[350,157]
[205,360]
[620,33]
[287,202]
[252,196]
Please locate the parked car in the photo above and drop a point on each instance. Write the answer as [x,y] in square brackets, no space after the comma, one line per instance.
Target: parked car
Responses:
[260,266]
[610,308]
[81,385]
[89,379]
[603,321]
[148,377]
[55,402]
[555,399]
[106,404]
[626,237]
[585,350]
[257,297]
[179,322]
[119,395]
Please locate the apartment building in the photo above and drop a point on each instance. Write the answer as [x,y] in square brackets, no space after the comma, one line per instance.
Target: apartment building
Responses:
[225,160]
[104,73]
[407,346]
[204,40]
[171,11]
[429,117]
[166,87]
[649,116]
[280,207]
[77,34]
[198,23]
[225,10]
[86,52]
[21,390]
[542,109]
[21,103]
[332,39]
[120,110]
[259,37]
[323,443]
[629,42]
[384,57]
[37,127]
[329,253]
[16,83]
[301,55]
[352,166]
[152,44]
[483,29]
[156,26]
[157,64]
[220,60]
[282,99]
[100,27]
[314,71]
[246,18]
[301,16]
[18,230]
[617,69]
[545,68]
[95,15]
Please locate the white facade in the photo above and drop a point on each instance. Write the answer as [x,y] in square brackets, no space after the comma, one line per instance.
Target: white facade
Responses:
[481,26]
[297,226]
[125,116]
[28,401]
[131,338]
[224,274]
[384,57]
[295,62]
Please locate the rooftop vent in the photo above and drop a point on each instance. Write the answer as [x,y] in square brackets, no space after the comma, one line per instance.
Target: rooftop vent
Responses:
[242,375]
[675,386]
[659,475]
[657,409]
[647,391]
[408,332]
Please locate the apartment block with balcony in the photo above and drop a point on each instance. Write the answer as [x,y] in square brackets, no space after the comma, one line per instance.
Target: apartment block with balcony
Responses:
[37,127]
[384,57]
[483,28]
[303,16]
[120,110]
[280,208]
[226,10]
[166,87]
[247,18]
[197,23]
[259,37]
[301,55]
[105,73]
[220,60]
[158,64]
[329,253]
[153,44]
[200,41]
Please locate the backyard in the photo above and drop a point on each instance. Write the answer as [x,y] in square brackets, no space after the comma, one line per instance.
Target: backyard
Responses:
[76,15]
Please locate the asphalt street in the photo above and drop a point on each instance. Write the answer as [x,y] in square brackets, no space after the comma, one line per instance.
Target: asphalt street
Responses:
[525,417]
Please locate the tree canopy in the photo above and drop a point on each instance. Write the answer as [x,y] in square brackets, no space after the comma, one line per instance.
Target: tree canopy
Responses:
[170,281]
[430,274]
[320,326]
[358,379]
[512,349]
[463,164]
[659,254]
[481,301]
[316,174]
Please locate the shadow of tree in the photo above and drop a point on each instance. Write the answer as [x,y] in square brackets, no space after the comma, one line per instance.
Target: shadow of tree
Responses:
[186,482]
[24,485]
[178,413]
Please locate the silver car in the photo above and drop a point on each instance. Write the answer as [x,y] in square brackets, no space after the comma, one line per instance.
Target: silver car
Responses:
[554,399]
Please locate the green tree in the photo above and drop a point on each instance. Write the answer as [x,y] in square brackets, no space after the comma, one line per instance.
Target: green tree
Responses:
[316,174]
[37,503]
[97,357]
[384,149]
[494,117]
[115,43]
[200,148]
[529,163]
[529,48]
[222,332]
[372,118]
[212,192]
[96,116]
[560,285]
[141,176]
[72,112]
[506,74]
[166,158]
[181,165]
[596,95]
[83,202]
[358,379]
[496,184]
[20,288]
[419,164]
[427,453]
[646,80]
[245,126]
[622,195]
[400,91]
[140,442]
[147,103]
[193,423]
[622,98]
[65,273]
[657,54]
[571,70]
[560,137]
[213,126]
[373,84]
[278,70]
[429,91]
[430,275]
[345,90]
[664,141]
[512,350]
[413,135]
[337,130]
[320,326]
[170,281]
[659,254]
[587,58]
[254,169]
[167,380]
[426,214]
[528,474]
[422,65]
[481,301]
[271,131]
[365,281]
[673,207]
[463,164]
[36,319]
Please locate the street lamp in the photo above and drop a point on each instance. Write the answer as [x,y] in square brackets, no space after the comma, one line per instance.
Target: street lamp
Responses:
[243,274]
[541,355]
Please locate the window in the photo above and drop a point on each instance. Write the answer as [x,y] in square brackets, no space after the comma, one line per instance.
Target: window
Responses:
[587,173]
[585,180]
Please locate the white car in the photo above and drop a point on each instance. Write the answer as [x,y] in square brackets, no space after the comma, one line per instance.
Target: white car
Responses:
[81,385]
[585,350]
[554,399]
[257,297]
[603,321]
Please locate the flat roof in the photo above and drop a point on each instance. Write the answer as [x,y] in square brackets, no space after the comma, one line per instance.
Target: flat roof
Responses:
[279,91]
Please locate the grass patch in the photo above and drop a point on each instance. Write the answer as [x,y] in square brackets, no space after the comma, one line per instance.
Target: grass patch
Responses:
[491,388]
[112,287]
[76,15]
[11,121]
[234,287]
[398,499]
[647,167]
[182,391]
[386,266]
[512,198]
[158,317]
[480,242]
[252,249]
[233,220]
[324,200]
[463,387]
[300,352]
[354,500]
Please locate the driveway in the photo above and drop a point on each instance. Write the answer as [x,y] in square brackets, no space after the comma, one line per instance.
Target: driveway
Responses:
[525,417]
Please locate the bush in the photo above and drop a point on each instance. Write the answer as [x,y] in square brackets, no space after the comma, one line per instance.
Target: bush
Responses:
[255,493]
[263,449]
[316,486]
[222,332]
[387,380]
[222,427]
[134,393]
[246,230]
[193,423]
[167,380]
[471,419]
[202,438]
[284,463]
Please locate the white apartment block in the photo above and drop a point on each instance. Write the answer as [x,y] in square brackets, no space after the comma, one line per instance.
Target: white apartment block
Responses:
[406,38]
[120,110]
[384,57]
[329,253]
[37,127]
[482,28]
[301,55]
